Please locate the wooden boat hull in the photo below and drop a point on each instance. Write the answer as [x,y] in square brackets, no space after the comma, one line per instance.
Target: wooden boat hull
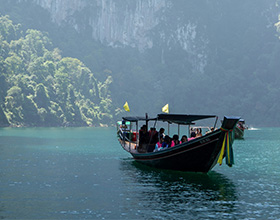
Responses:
[199,155]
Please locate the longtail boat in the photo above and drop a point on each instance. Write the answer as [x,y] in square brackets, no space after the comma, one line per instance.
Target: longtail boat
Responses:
[239,129]
[200,154]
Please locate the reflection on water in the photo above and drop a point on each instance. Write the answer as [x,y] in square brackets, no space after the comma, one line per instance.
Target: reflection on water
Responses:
[180,194]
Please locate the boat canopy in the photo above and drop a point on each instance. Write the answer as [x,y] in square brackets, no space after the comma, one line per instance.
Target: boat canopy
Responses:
[171,118]
[137,118]
[182,119]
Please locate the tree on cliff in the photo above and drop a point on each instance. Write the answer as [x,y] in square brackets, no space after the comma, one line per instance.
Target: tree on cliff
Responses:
[40,88]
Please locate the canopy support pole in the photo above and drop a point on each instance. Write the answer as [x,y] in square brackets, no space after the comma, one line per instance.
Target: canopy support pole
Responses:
[137,135]
[147,121]
[215,122]
[130,136]
[168,129]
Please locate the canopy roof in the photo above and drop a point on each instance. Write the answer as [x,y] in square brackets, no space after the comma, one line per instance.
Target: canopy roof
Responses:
[182,119]
[137,118]
[171,118]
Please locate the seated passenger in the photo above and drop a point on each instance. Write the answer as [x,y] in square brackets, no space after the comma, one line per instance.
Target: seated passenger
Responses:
[192,136]
[198,132]
[159,144]
[123,125]
[211,130]
[166,143]
[175,140]
[161,132]
[184,139]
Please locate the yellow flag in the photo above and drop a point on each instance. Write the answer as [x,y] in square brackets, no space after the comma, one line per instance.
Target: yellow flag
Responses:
[126,107]
[165,108]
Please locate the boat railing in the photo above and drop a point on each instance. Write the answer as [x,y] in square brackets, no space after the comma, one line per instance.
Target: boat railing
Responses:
[127,138]
[127,135]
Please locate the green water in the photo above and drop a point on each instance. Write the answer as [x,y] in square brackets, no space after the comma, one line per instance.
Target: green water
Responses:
[83,173]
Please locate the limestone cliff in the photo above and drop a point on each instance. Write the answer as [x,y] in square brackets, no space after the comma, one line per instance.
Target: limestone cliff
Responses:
[112,22]
[167,24]
[131,23]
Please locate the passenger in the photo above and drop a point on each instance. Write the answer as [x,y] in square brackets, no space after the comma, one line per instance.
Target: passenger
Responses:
[184,139]
[143,138]
[192,136]
[123,125]
[161,132]
[159,144]
[198,132]
[166,143]
[175,140]
[144,135]
[211,130]
[153,135]
[192,130]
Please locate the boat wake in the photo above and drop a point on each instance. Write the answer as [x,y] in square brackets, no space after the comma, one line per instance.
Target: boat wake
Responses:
[253,129]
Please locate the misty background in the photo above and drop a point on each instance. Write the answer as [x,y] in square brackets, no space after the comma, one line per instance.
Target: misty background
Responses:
[76,62]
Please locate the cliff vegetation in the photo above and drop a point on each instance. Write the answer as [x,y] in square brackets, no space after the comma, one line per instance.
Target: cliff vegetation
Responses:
[39,87]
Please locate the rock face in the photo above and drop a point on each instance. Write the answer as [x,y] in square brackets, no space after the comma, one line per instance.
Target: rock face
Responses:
[112,22]
[140,24]
[126,24]
[60,10]
[145,24]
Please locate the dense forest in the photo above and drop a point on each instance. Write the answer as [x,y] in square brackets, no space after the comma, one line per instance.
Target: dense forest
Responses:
[39,87]
[207,57]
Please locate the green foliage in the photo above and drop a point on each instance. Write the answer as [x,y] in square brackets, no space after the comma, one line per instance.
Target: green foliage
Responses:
[40,88]
[8,30]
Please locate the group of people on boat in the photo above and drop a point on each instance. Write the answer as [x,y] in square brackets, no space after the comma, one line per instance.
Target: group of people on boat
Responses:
[166,142]
[153,140]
